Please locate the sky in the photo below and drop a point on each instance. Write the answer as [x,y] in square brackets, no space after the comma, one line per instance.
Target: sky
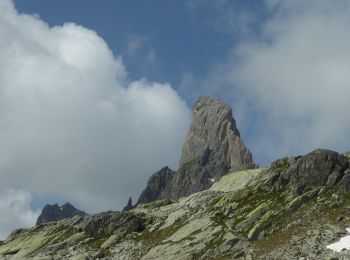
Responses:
[95,96]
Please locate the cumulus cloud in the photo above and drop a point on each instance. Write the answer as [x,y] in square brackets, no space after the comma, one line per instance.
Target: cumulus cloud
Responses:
[72,124]
[292,85]
[15,211]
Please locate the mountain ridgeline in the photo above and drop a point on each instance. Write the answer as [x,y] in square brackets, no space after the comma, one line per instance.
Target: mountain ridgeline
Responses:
[217,205]
[212,148]
[54,213]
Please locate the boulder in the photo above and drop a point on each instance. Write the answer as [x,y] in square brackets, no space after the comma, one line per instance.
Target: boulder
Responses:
[319,168]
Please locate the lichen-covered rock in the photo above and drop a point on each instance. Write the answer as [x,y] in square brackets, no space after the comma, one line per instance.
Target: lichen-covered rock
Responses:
[318,168]
[245,215]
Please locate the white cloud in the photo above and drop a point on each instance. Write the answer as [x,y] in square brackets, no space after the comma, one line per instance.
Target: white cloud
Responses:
[72,124]
[294,82]
[15,211]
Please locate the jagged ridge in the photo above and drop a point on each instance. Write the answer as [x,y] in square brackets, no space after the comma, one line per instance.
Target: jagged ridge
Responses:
[283,203]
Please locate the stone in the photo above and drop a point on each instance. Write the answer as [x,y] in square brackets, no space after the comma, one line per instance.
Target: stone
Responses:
[230,238]
[256,231]
[319,168]
[212,148]
[155,185]
[128,206]
[214,141]
[53,213]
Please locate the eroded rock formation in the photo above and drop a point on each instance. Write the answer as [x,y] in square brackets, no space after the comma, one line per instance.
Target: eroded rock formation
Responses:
[213,147]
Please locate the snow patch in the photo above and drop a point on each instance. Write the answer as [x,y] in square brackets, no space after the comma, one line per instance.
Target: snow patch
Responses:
[343,244]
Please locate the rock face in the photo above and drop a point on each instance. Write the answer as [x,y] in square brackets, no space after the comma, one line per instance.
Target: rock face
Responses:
[212,148]
[53,213]
[155,185]
[318,168]
[213,140]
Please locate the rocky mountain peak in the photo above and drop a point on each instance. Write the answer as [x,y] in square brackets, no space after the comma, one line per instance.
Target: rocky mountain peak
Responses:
[53,213]
[212,148]
[213,139]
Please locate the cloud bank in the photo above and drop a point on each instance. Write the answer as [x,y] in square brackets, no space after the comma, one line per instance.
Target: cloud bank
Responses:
[72,124]
[15,211]
[291,85]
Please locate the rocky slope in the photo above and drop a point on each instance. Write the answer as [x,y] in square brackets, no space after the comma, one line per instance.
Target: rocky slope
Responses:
[290,210]
[212,148]
[54,213]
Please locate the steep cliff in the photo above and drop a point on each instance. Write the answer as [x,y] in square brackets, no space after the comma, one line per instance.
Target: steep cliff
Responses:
[212,148]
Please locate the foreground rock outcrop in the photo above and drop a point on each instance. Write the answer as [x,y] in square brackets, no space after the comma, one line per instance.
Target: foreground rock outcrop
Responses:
[55,213]
[213,147]
[290,210]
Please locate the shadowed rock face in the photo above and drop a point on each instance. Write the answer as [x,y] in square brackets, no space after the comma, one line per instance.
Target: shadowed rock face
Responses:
[155,185]
[212,148]
[53,213]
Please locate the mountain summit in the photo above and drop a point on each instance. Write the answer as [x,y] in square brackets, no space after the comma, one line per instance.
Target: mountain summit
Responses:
[212,148]
[213,140]
[53,213]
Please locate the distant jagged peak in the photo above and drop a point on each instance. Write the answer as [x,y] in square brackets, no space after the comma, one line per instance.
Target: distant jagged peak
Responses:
[54,212]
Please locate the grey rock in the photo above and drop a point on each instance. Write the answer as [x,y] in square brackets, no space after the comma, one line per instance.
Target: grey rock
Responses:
[128,206]
[213,140]
[107,223]
[155,185]
[318,168]
[53,213]
[213,147]
[190,178]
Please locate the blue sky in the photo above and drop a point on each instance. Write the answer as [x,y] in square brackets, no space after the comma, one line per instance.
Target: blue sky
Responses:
[95,96]
[180,40]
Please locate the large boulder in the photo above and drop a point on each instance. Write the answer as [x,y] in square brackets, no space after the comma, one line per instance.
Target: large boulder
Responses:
[319,168]
[53,213]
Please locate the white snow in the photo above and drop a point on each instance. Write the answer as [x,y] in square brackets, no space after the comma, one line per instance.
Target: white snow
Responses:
[343,244]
